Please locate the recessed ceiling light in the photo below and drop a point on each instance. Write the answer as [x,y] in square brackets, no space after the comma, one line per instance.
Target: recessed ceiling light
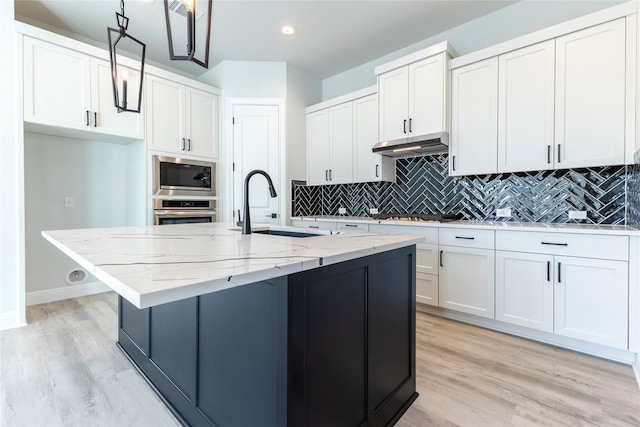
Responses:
[288,29]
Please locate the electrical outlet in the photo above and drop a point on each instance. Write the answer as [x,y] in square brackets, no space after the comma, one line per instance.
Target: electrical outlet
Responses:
[373,211]
[503,213]
[69,202]
[577,214]
[342,211]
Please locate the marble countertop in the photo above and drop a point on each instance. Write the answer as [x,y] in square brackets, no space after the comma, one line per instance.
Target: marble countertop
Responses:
[154,265]
[620,230]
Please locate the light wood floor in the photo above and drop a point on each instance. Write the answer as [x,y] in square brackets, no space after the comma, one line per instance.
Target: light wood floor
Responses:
[64,370]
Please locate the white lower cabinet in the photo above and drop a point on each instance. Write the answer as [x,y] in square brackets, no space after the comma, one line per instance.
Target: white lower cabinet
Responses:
[467,271]
[583,297]
[427,273]
[351,226]
[524,289]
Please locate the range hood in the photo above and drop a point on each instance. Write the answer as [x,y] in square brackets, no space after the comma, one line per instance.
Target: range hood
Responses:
[435,143]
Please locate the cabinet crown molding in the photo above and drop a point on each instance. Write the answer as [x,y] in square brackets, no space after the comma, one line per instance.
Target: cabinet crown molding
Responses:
[444,46]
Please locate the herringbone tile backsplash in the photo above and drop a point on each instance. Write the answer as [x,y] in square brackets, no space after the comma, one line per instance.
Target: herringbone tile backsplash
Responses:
[423,186]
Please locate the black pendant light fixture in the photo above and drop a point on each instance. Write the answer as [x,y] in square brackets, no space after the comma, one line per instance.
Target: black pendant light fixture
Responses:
[127,90]
[189,30]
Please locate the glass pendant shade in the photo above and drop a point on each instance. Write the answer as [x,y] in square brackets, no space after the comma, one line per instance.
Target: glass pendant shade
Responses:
[127,81]
[189,30]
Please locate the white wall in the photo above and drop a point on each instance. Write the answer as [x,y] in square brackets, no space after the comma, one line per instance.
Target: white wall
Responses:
[11,206]
[512,21]
[250,79]
[94,173]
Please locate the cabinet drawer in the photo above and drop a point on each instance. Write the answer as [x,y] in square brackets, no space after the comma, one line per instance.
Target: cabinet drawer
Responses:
[350,226]
[430,233]
[580,245]
[315,225]
[469,238]
[427,258]
[427,288]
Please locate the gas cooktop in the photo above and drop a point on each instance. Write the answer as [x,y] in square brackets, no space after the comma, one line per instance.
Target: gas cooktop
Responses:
[415,217]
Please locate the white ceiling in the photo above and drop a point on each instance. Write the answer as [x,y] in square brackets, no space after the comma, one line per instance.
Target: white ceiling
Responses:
[332,36]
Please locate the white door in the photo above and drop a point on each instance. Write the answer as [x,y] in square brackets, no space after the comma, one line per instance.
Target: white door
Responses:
[201,123]
[474,119]
[393,104]
[426,95]
[525,108]
[57,84]
[106,118]
[467,280]
[341,144]
[256,135]
[524,289]
[591,300]
[590,96]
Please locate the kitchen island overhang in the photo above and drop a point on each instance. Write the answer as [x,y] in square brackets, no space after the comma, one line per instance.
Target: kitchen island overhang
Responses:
[325,337]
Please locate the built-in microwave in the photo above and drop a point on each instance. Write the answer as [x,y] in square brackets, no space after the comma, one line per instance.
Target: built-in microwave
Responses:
[173,176]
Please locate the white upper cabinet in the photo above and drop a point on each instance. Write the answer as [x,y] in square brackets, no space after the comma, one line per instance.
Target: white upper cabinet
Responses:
[590,96]
[367,166]
[412,97]
[474,113]
[341,144]
[69,89]
[526,108]
[180,119]
[318,147]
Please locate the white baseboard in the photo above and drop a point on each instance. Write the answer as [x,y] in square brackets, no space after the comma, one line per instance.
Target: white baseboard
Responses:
[66,292]
[636,368]
[10,320]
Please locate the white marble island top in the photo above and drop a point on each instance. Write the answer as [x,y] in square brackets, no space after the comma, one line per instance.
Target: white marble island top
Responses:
[154,265]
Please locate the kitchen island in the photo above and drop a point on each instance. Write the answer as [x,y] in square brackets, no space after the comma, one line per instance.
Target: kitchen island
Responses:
[268,330]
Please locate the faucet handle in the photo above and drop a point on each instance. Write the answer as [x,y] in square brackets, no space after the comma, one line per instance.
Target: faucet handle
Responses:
[239,221]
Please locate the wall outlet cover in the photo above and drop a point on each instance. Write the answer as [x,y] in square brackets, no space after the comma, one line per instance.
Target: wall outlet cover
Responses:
[373,211]
[503,213]
[577,214]
[342,211]
[69,202]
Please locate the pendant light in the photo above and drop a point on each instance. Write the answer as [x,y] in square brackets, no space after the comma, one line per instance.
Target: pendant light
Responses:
[127,89]
[189,30]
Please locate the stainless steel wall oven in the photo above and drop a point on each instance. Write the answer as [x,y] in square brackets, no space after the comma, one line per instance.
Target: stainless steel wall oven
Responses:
[173,211]
[173,176]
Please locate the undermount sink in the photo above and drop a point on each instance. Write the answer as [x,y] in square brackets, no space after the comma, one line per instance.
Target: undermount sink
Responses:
[291,232]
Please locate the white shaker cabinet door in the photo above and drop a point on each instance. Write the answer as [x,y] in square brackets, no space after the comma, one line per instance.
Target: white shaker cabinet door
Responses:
[57,85]
[467,280]
[427,273]
[524,289]
[165,115]
[201,123]
[427,95]
[474,118]
[341,144]
[318,147]
[393,93]
[590,96]
[591,300]
[106,118]
[526,108]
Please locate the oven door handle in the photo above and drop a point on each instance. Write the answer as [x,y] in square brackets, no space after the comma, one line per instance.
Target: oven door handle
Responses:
[184,212]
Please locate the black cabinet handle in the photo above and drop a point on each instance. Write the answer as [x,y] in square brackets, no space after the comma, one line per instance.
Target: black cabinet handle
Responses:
[554,244]
[182,146]
[404,126]
[453,160]
[95,119]
[441,265]
[377,174]
[410,125]
[548,153]
[559,273]
[326,174]
[558,159]
[465,238]
[351,225]
[330,174]
[87,117]
[314,226]
[548,271]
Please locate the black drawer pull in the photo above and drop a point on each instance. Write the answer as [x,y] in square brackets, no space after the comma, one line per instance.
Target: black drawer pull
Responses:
[350,225]
[554,244]
[465,238]
[559,274]
[441,259]
[548,271]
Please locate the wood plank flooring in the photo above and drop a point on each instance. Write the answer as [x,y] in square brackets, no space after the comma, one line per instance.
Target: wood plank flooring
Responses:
[65,370]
